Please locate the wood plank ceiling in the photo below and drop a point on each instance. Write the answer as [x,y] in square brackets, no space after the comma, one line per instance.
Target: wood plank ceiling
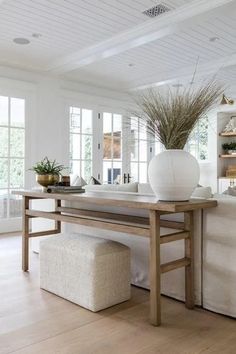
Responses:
[68,26]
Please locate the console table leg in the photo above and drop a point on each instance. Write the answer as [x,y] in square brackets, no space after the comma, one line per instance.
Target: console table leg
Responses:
[155,273]
[58,223]
[189,253]
[25,234]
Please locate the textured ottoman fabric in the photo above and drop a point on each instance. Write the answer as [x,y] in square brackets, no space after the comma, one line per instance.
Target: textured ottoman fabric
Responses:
[89,271]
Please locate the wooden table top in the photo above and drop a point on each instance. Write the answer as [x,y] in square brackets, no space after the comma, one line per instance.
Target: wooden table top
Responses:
[118,199]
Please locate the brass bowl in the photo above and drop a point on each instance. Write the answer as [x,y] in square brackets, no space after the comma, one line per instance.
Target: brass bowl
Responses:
[47,180]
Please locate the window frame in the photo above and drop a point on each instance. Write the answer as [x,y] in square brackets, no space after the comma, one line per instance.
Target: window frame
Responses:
[81,134]
[113,160]
[150,153]
[197,143]
[8,188]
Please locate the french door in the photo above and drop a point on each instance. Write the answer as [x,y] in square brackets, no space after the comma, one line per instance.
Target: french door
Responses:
[127,149]
[107,145]
[81,141]
[113,157]
[12,160]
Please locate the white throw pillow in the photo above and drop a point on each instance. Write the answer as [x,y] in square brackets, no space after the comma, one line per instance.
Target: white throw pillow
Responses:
[202,192]
[145,188]
[199,192]
[230,191]
[129,187]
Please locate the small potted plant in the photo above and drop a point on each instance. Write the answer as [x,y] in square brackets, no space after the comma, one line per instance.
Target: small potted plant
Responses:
[47,172]
[229,148]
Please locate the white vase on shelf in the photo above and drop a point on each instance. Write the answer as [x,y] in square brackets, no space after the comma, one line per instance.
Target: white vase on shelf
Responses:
[173,175]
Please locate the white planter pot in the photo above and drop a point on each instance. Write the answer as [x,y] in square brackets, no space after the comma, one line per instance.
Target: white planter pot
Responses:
[173,175]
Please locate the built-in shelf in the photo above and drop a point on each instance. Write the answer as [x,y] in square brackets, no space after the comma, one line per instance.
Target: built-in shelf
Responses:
[224,177]
[227,156]
[227,134]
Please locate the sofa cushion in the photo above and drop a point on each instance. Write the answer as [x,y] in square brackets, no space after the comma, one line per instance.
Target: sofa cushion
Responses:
[93,180]
[202,192]
[199,192]
[230,191]
[129,187]
[145,188]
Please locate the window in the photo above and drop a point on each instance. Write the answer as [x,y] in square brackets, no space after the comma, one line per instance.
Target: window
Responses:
[197,144]
[81,135]
[140,151]
[12,154]
[112,148]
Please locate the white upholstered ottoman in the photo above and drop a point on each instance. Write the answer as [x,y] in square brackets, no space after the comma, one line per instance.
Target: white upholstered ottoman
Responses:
[89,271]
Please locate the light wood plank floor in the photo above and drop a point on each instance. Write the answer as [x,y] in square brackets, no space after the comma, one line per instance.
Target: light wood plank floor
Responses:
[33,321]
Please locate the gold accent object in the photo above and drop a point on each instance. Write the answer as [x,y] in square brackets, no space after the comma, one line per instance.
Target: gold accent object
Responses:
[231,173]
[47,180]
[226,100]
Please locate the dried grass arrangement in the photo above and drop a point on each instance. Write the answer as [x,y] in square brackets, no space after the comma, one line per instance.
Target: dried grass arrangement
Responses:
[170,117]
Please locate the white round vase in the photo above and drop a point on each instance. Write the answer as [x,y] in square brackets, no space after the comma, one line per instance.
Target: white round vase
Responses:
[173,175]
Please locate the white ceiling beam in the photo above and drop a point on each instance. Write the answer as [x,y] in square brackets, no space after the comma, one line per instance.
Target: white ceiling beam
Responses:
[186,74]
[149,31]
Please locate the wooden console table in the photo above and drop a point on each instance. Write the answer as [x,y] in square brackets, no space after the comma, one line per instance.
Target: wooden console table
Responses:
[136,225]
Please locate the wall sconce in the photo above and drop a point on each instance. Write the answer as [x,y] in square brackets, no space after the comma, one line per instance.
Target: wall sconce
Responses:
[226,100]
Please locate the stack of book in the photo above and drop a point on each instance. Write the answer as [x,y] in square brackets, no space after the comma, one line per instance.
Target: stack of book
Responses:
[63,189]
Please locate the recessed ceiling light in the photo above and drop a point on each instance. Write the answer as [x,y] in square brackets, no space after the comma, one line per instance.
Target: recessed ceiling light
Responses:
[177,85]
[131,64]
[36,35]
[21,40]
[214,39]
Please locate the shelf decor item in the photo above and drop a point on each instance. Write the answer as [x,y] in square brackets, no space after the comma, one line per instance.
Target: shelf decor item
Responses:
[226,100]
[230,126]
[229,148]
[170,118]
[47,172]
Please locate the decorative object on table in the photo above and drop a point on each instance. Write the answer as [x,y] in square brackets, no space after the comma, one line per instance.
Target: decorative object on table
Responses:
[93,180]
[64,189]
[78,181]
[226,100]
[229,148]
[65,181]
[170,117]
[47,172]
[230,126]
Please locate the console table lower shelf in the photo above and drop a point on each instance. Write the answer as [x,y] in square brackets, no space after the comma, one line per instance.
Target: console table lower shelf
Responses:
[134,225]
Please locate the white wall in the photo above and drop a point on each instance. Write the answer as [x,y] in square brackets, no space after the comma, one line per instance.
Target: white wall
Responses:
[47,123]
[47,101]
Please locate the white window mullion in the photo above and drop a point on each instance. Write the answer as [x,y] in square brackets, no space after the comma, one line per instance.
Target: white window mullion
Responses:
[8,157]
[14,127]
[82,161]
[97,151]
[80,141]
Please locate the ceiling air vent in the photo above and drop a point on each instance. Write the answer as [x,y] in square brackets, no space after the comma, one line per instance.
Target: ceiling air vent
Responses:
[156,10]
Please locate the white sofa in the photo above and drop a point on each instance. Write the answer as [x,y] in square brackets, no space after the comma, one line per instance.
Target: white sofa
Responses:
[172,282]
[215,249]
[219,256]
